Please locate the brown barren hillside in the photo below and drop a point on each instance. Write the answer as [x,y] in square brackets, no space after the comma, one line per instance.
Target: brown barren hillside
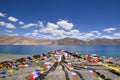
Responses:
[21,40]
[70,41]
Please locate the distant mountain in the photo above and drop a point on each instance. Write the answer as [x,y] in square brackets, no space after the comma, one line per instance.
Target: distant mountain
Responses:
[20,40]
[70,41]
[104,41]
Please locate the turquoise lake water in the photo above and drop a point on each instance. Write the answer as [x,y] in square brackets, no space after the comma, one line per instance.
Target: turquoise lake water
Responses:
[105,50]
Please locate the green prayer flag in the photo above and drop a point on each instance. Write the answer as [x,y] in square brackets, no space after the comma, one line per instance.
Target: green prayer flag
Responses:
[75,79]
[16,68]
[97,76]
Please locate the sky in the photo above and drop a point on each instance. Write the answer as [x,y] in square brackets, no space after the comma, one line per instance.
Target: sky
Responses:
[58,19]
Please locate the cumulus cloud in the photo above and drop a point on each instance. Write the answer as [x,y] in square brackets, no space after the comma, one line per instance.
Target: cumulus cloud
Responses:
[2,23]
[65,24]
[9,31]
[9,25]
[109,30]
[32,34]
[52,26]
[21,23]
[41,24]
[13,19]
[96,32]
[35,33]
[58,33]
[108,37]
[82,36]
[89,35]
[29,25]
[49,28]
[55,31]
[27,34]
[73,32]
[13,34]
[60,29]
[117,34]
[2,14]
[48,37]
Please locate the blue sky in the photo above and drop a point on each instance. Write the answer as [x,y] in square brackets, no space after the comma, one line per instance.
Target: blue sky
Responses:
[56,19]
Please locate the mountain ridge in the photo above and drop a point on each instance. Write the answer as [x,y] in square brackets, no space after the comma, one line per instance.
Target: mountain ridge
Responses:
[21,40]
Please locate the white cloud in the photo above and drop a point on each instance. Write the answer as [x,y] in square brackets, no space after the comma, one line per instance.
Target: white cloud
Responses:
[89,35]
[21,23]
[58,33]
[13,34]
[2,14]
[2,23]
[41,24]
[65,25]
[13,19]
[48,37]
[35,33]
[49,28]
[29,25]
[52,26]
[9,25]
[27,34]
[73,32]
[32,34]
[117,34]
[109,30]
[107,36]
[82,36]
[53,31]
[9,31]
[96,32]
[59,30]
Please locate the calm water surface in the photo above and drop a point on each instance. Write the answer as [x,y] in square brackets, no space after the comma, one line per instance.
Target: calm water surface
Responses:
[105,50]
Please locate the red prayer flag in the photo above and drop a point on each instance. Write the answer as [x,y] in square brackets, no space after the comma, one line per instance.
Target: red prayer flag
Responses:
[94,73]
[74,76]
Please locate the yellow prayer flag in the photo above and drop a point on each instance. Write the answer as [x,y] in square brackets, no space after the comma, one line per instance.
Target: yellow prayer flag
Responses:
[10,70]
[42,72]
[85,66]
[99,78]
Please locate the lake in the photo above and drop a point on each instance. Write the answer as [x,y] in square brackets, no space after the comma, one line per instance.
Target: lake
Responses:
[105,50]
